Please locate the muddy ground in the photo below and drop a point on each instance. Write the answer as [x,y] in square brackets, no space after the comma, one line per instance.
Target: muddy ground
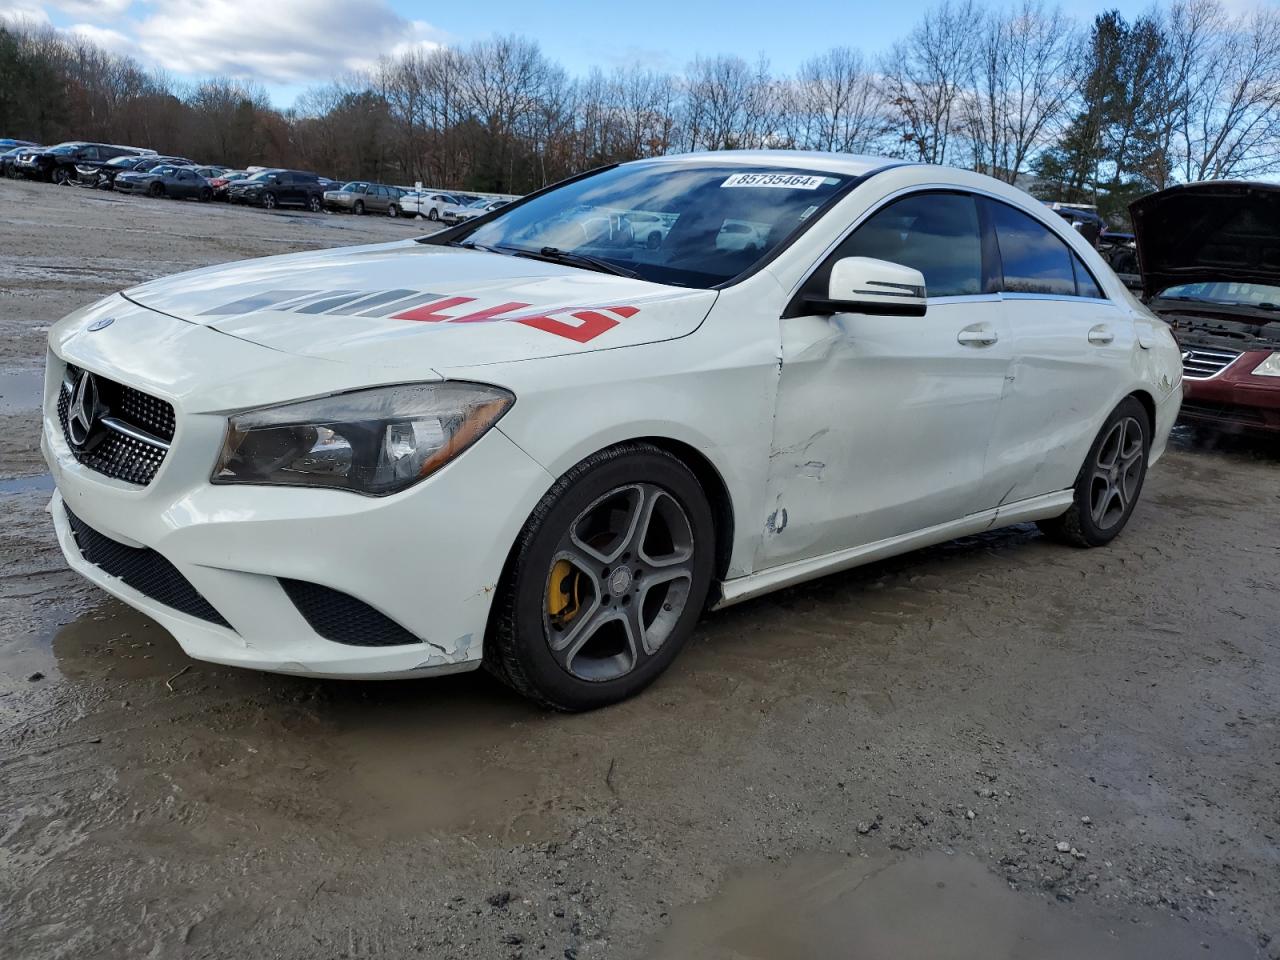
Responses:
[879,764]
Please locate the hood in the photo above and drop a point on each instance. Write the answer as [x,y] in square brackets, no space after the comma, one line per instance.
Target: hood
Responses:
[1224,231]
[421,306]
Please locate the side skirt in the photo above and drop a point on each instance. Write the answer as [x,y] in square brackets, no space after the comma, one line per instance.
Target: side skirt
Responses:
[798,571]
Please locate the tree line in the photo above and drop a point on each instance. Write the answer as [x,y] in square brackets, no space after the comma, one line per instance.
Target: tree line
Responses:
[1098,112]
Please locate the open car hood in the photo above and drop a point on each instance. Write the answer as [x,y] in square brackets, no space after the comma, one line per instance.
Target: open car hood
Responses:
[406,304]
[1224,231]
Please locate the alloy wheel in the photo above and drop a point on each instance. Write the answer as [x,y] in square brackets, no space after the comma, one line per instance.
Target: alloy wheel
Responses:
[619,581]
[1117,471]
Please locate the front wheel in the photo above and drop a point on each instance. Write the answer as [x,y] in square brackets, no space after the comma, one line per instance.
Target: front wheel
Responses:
[269,201]
[393,211]
[606,581]
[156,190]
[1110,481]
[61,176]
[314,203]
[433,214]
[358,210]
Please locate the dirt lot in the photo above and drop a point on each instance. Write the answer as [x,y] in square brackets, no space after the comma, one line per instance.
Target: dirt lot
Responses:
[879,764]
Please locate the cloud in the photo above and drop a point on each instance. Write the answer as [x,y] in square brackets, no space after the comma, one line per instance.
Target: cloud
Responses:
[24,14]
[108,39]
[94,9]
[277,41]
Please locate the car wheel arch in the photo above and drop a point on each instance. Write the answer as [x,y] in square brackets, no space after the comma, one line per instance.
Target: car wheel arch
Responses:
[1148,404]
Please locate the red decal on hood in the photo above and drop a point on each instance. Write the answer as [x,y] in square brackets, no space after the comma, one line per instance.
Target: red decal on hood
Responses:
[591,324]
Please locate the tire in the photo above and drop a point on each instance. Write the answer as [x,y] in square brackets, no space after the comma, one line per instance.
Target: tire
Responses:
[393,211]
[315,204]
[1110,481]
[358,209]
[61,176]
[205,195]
[155,190]
[269,201]
[650,556]
[433,214]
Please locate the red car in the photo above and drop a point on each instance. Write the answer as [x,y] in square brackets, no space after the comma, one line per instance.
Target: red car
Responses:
[1210,261]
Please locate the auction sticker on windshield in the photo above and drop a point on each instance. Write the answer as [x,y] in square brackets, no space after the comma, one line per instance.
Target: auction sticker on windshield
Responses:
[789,181]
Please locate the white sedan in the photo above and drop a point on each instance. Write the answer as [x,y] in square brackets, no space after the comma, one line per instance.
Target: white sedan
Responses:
[433,206]
[546,448]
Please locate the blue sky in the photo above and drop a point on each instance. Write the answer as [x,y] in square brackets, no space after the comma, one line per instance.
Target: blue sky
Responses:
[290,44]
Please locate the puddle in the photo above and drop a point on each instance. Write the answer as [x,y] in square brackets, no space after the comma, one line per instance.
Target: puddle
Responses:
[114,641]
[21,391]
[442,756]
[933,906]
[40,483]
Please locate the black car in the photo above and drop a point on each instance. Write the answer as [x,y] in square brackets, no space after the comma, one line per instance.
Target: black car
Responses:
[6,161]
[62,163]
[104,176]
[280,188]
[166,180]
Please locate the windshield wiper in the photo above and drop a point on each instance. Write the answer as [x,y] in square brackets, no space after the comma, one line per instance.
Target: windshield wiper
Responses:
[472,245]
[569,258]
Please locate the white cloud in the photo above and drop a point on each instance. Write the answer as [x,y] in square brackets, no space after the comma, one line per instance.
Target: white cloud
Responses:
[108,39]
[24,13]
[93,9]
[276,41]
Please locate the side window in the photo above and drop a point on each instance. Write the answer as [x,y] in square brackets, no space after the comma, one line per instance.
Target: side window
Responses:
[1035,260]
[936,233]
[1086,286]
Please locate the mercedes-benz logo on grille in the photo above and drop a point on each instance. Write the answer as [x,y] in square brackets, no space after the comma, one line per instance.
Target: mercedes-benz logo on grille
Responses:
[83,413]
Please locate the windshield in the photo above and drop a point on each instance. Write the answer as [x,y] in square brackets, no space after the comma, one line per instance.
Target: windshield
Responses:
[1244,294]
[351,187]
[262,175]
[64,148]
[694,225]
[122,161]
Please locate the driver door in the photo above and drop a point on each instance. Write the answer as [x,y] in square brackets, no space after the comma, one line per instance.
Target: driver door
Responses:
[883,422]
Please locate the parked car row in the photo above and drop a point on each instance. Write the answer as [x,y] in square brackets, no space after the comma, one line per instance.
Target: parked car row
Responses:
[137,170]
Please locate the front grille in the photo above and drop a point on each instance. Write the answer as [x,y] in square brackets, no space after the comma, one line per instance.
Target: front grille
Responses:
[143,569]
[1201,363]
[131,436]
[342,618]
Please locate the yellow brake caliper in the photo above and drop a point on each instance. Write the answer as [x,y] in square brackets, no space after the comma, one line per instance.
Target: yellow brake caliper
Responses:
[563,600]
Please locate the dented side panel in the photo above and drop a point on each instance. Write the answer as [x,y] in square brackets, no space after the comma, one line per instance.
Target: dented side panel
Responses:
[881,428]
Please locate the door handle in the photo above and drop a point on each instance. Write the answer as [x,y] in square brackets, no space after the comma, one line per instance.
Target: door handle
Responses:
[1101,334]
[977,335]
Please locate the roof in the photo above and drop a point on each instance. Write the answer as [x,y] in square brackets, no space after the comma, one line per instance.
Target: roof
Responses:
[850,164]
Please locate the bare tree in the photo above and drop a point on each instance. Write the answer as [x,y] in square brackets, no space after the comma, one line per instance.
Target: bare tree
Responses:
[1230,105]
[834,103]
[1021,86]
[924,78]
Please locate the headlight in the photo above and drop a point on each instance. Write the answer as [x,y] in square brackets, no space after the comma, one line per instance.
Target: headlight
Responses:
[1269,367]
[375,442]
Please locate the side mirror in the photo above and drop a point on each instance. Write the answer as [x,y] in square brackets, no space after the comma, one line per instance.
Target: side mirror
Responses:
[877,287]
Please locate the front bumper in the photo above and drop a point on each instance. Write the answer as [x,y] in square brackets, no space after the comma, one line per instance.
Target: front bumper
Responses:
[428,559]
[1235,399]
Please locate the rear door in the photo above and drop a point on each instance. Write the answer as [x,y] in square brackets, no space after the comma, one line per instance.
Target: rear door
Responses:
[1071,347]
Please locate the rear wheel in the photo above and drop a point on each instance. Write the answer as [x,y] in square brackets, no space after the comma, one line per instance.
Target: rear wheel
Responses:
[606,581]
[314,203]
[433,214]
[393,211]
[206,195]
[1110,481]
